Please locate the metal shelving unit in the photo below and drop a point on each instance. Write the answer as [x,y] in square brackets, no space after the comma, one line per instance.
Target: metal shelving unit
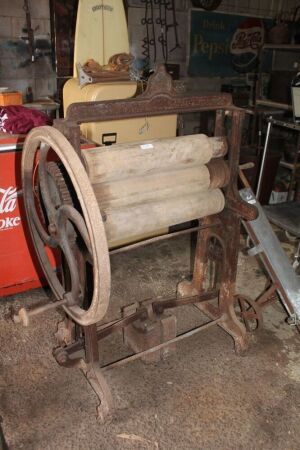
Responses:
[294,166]
[265,108]
[259,100]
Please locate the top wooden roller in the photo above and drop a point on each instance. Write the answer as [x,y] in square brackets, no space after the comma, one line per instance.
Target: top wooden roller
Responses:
[135,159]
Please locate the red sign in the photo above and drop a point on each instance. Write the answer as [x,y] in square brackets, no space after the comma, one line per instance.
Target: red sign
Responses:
[246,44]
[19,267]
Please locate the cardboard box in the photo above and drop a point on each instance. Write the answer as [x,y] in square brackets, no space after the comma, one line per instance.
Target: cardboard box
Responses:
[11,98]
[279,197]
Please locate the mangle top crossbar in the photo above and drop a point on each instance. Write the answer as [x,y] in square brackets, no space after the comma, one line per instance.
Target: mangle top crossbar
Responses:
[159,98]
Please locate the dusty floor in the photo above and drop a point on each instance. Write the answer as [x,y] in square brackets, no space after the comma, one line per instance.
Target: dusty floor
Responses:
[202,397]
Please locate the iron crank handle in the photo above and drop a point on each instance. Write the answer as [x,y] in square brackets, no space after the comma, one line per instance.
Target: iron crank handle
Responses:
[24,315]
[248,165]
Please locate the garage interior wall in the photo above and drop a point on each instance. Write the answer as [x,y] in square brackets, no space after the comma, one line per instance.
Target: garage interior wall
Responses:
[255,8]
[16,70]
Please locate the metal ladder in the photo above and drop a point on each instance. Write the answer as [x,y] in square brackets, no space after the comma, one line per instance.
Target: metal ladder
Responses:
[273,257]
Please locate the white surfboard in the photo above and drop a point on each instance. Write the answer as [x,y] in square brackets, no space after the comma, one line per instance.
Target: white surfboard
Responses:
[101,31]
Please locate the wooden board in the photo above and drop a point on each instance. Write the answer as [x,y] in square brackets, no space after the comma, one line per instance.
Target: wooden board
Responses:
[101,31]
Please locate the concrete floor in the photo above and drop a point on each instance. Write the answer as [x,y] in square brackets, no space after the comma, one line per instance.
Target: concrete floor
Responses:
[202,397]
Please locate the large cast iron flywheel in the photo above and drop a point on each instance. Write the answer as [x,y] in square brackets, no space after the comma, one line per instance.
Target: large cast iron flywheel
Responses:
[76,232]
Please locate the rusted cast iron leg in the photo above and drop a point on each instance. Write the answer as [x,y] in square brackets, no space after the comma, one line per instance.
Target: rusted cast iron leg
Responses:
[228,236]
[91,370]
[194,287]
[89,365]
[230,232]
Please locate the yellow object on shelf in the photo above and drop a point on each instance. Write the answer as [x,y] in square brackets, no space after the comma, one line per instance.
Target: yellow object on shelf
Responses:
[96,38]
[121,130]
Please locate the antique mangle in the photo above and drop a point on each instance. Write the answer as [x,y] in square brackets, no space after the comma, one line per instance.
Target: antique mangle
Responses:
[94,203]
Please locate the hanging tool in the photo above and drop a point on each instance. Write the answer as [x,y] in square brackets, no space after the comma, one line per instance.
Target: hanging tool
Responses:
[149,40]
[162,21]
[29,30]
[171,7]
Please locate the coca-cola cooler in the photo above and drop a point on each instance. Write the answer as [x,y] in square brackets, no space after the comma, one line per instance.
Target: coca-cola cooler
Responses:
[19,267]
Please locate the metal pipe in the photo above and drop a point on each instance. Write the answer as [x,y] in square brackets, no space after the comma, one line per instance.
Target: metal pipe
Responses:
[182,336]
[23,315]
[263,158]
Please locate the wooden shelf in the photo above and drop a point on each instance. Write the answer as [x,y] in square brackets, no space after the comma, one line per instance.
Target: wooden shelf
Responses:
[272,104]
[290,47]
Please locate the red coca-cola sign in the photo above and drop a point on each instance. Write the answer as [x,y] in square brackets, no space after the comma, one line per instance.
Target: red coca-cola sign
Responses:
[8,204]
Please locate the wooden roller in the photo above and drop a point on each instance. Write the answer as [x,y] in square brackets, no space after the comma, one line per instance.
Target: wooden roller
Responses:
[128,222]
[159,185]
[144,187]
[134,159]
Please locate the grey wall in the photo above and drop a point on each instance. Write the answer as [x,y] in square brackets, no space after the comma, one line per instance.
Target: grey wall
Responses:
[16,73]
[15,70]
[256,8]
[263,8]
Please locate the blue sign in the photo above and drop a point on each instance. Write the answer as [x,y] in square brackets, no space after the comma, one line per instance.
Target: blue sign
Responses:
[223,45]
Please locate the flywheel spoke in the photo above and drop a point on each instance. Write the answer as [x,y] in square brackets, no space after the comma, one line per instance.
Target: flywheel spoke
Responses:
[46,238]
[44,183]
[73,268]
[67,217]
[69,212]
[37,223]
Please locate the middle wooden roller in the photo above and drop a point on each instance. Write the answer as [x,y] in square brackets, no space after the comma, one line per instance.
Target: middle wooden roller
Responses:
[144,187]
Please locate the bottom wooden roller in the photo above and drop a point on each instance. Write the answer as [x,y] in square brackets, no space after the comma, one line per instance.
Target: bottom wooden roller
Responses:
[127,222]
